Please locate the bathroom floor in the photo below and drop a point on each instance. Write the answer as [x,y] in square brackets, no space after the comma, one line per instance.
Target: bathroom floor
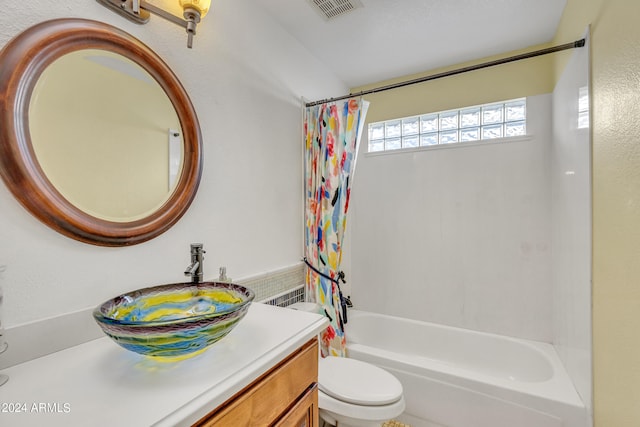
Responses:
[394,423]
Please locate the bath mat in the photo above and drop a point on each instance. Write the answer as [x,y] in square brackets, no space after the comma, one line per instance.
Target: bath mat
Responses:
[394,423]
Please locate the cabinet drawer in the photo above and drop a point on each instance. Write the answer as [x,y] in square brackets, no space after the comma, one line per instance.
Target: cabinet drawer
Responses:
[269,397]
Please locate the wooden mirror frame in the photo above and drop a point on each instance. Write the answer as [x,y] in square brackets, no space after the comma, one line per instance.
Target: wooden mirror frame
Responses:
[23,60]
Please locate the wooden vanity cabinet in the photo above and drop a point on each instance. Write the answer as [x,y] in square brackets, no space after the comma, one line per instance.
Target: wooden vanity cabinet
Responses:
[285,396]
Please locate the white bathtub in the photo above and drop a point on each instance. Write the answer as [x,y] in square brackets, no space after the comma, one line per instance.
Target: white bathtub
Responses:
[455,377]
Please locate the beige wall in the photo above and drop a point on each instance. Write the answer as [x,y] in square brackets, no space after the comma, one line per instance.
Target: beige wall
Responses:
[514,80]
[616,201]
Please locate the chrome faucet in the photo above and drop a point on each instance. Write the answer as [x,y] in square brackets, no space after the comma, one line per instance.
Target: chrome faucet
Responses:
[195,269]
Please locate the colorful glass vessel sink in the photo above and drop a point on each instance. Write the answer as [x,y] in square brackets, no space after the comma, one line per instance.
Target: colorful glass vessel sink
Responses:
[174,321]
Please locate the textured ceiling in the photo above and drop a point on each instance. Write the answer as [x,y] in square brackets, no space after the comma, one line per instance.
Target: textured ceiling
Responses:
[392,38]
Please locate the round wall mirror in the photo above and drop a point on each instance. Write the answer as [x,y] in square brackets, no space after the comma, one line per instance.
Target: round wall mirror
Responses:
[100,141]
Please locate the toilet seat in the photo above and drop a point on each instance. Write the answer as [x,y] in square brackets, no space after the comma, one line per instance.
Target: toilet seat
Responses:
[354,382]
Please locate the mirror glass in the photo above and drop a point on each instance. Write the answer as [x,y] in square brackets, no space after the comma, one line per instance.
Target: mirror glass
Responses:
[105,134]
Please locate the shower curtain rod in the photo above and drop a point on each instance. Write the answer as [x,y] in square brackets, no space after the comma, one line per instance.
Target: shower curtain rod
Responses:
[572,45]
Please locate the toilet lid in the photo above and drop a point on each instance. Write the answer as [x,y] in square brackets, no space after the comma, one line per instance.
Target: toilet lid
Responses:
[357,382]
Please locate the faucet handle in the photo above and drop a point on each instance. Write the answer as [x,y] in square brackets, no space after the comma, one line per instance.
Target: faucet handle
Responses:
[197,248]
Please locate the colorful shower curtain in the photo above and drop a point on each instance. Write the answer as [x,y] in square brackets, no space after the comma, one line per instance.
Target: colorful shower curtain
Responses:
[332,133]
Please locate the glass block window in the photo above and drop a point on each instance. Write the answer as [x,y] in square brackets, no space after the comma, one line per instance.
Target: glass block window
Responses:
[482,122]
[583,108]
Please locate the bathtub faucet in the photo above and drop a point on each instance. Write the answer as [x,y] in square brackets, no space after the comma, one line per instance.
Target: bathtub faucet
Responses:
[195,269]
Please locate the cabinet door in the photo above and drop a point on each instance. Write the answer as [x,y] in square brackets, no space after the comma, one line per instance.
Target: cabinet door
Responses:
[304,413]
[272,396]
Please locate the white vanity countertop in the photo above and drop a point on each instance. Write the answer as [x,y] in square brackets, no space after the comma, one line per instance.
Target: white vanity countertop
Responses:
[98,383]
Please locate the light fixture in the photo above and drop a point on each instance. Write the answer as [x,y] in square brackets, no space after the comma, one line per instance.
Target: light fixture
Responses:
[139,11]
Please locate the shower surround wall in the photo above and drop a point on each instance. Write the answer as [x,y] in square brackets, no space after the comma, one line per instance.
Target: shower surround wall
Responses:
[458,235]
[571,226]
[494,238]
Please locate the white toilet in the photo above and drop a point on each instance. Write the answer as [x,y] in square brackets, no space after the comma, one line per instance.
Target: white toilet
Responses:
[355,393]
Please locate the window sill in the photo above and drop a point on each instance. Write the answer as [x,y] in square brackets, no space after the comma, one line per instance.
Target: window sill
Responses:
[454,145]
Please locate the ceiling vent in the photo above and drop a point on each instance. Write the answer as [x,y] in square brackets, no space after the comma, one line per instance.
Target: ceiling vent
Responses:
[330,9]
